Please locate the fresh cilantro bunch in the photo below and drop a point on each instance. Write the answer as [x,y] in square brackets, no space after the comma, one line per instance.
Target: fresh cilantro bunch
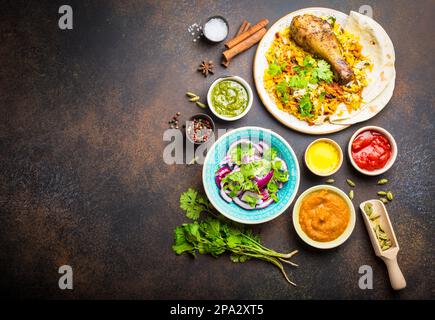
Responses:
[194,204]
[215,236]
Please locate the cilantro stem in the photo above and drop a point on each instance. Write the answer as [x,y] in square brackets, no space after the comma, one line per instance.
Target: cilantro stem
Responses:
[269,251]
[271,260]
[289,262]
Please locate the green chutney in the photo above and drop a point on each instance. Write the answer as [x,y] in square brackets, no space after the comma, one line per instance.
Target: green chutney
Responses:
[229,98]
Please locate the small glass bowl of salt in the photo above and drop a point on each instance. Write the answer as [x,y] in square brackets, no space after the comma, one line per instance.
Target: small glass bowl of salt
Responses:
[215,29]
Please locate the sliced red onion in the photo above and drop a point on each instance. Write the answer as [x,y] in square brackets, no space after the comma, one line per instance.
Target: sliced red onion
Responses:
[221,173]
[263,181]
[265,194]
[280,185]
[264,204]
[242,204]
[225,196]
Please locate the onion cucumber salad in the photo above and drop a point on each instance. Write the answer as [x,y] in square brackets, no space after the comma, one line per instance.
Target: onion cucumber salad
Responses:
[251,174]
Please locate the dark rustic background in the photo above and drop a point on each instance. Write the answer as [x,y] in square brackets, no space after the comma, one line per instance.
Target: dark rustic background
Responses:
[82,177]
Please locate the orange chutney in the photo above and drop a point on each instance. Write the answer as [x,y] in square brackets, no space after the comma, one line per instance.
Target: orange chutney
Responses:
[323,215]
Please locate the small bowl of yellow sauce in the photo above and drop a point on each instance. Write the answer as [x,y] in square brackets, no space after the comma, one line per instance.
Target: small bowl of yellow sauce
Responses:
[323,157]
[324,217]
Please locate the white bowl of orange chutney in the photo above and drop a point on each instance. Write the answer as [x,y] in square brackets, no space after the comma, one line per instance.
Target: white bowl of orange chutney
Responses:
[324,217]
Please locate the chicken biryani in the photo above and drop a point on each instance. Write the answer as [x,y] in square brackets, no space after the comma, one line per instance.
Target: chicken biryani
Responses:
[310,75]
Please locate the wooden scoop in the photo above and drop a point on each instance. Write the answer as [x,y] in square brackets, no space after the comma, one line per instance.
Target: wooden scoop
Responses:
[389,256]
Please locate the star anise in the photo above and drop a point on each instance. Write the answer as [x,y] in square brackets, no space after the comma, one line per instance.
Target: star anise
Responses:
[206,67]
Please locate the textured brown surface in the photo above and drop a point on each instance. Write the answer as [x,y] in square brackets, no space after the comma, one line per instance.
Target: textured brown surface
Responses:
[81,171]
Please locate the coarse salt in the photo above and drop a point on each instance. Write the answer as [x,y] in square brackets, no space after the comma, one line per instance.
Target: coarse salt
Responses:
[216,29]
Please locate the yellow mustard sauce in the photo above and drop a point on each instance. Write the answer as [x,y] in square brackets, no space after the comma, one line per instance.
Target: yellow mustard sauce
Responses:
[322,157]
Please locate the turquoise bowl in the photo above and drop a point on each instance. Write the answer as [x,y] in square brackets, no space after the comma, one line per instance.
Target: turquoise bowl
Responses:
[231,210]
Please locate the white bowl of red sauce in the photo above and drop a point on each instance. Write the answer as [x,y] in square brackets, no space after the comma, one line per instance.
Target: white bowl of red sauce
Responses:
[372,150]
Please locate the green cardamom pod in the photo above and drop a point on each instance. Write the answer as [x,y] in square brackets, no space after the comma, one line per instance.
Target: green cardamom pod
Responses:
[368,208]
[194,99]
[191,94]
[390,195]
[384,200]
[382,181]
[201,105]
[350,182]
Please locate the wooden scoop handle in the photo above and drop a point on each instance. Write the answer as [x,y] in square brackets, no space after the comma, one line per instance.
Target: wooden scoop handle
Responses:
[397,279]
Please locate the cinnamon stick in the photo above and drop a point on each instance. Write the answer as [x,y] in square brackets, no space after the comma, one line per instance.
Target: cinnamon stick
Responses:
[243,27]
[242,46]
[225,62]
[245,35]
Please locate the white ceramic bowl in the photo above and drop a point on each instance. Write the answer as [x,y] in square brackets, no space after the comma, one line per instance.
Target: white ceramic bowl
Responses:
[330,244]
[340,161]
[244,84]
[390,162]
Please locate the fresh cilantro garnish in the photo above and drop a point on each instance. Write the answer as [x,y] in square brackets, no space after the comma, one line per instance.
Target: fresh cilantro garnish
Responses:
[298,82]
[249,185]
[270,154]
[322,96]
[255,169]
[285,98]
[323,71]
[272,187]
[281,176]
[252,201]
[233,182]
[305,106]
[309,61]
[282,87]
[194,204]
[331,20]
[274,197]
[275,68]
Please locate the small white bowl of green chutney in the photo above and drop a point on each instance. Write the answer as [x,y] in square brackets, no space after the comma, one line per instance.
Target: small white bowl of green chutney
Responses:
[230,98]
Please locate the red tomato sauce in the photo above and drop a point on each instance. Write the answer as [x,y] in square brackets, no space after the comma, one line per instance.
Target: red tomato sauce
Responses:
[371,150]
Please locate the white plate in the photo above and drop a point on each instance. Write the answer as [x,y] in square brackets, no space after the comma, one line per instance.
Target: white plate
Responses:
[260,65]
